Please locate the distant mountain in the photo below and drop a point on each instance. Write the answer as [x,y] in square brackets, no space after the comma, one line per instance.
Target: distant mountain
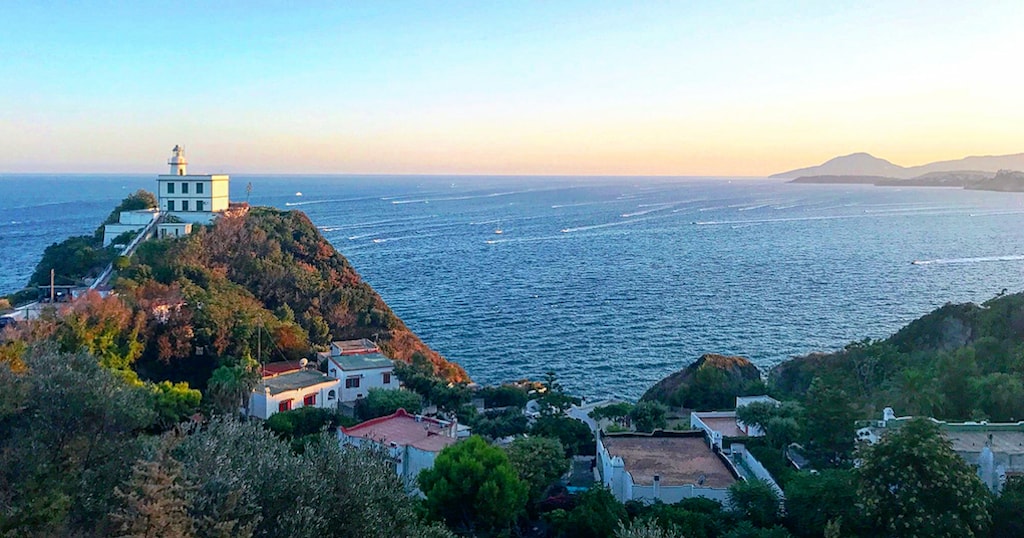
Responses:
[855,164]
[988,163]
[863,164]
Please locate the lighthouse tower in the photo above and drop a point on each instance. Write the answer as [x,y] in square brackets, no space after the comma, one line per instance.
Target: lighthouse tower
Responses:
[192,198]
[178,161]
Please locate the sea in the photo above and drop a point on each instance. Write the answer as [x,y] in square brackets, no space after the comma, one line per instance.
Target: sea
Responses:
[612,283]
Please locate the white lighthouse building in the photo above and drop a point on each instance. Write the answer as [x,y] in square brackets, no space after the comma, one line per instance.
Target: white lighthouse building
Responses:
[193,198]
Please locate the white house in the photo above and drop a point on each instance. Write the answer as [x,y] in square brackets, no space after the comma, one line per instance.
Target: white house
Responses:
[129,221]
[721,424]
[995,450]
[411,441]
[665,466]
[361,372]
[193,198]
[292,390]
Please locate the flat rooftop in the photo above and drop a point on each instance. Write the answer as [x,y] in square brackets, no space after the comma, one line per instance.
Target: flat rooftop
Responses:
[365,361]
[294,381]
[725,425]
[402,428]
[361,345]
[1003,442]
[677,460]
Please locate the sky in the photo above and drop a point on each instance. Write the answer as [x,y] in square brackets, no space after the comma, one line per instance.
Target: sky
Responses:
[507,87]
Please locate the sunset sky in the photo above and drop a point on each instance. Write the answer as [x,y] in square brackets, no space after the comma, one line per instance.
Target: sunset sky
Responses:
[560,87]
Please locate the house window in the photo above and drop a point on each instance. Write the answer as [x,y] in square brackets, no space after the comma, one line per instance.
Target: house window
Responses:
[170,188]
[200,205]
[331,395]
[387,378]
[352,383]
[184,205]
[184,188]
[199,188]
[309,400]
[334,373]
[170,205]
[284,406]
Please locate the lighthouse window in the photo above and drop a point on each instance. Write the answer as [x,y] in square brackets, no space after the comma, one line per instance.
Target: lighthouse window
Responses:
[170,205]
[170,188]
[200,206]
[199,188]
[184,205]
[184,188]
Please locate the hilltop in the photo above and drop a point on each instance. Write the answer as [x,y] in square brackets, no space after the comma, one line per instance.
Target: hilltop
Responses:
[711,382]
[864,164]
[262,285]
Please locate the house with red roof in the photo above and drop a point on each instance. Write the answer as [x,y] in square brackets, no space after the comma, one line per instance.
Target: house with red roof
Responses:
[411,441]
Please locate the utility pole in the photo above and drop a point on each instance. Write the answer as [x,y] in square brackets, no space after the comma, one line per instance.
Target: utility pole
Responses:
[51,286]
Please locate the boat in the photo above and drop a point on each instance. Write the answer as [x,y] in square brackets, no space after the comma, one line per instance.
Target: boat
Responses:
[298,194]
[499,231]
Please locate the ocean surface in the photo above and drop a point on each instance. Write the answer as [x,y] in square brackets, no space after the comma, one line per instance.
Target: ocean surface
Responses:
[611,282]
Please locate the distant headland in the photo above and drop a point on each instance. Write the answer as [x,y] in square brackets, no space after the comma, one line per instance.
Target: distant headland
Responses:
[991,173]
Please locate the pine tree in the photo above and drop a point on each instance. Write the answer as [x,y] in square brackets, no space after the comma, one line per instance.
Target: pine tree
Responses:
[154,501]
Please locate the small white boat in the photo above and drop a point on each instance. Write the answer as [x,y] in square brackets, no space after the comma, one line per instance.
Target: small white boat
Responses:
[499,231]
[298,194]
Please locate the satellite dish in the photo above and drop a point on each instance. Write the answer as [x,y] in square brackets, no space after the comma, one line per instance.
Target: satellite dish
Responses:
[303,363]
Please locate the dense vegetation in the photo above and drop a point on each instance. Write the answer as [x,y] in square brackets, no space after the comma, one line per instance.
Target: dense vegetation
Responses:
[960,362]
[77,459]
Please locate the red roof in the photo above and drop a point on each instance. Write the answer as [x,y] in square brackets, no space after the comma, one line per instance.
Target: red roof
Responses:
[278,368]
[402,428]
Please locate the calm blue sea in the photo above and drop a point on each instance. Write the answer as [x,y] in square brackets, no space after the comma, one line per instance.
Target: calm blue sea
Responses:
[611,282]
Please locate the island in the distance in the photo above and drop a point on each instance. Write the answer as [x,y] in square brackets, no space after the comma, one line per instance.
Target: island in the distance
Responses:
[991,173]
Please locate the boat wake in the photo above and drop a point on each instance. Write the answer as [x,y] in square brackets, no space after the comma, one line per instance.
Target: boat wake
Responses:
[979,259]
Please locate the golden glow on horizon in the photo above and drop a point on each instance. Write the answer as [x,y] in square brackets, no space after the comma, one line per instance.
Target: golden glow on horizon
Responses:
[548,88]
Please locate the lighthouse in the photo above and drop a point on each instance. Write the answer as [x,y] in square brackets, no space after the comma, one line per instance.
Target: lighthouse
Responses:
[178,161]
[191,198]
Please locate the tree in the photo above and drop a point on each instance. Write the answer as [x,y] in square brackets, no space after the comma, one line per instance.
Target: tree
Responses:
[912,483]
[554,401]
[829,429]
[645,529]
[746,530]
[473,488]
[498,424]
[618,412]
[1006,509]
[597,514]
[68,440]
[539,461]
[106,328]
[648,416]
[380,402]
[755,501]
[249,483]
[694,518]
[575,436]
[230,385]
[155,501]
[813,500]
[504,396]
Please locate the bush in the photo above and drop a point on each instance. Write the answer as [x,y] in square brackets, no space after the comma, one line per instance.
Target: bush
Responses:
[382,402]
[575,436]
